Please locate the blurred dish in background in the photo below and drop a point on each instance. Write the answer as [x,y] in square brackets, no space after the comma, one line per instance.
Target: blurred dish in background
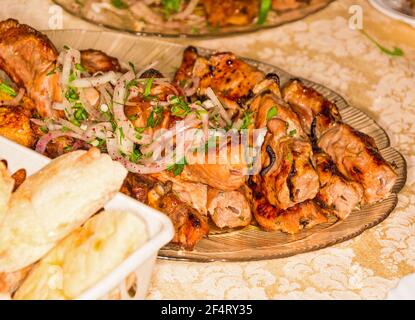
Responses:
[403,10]
[191,18]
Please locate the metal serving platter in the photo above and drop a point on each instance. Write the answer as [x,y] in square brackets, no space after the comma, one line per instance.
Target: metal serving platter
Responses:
[251,243]
[124,20]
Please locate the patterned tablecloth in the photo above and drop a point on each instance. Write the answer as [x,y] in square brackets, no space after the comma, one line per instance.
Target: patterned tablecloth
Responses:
[324,49]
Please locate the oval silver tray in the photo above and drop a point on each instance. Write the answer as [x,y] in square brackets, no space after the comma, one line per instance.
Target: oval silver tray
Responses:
[251,243]
[125,21]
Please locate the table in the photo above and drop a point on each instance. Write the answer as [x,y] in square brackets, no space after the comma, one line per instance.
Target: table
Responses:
[324,49]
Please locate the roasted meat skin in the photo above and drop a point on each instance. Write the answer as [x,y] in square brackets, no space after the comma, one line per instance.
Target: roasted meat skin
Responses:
[283,5]
[336,193]
[15,125]
[97,61]
[27,56]
[229,209]
[230,12]
[229,77]
[308,103]
[304,215]
[358,159]
[190,226]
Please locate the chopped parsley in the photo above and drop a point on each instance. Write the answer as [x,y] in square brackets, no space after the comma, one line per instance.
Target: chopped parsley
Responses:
[72,77]
[263,11]
[7,90]
[178,167]
[122,135]
[292,133]
[44,129]
[80,67]
[272,113]
[139,131]
[179,108]
[147,90]
[72,94]
[155,117]
[132,65]
[247,119]
[136,155]
[80,113]
[132,117]
[171,6]
[119,4]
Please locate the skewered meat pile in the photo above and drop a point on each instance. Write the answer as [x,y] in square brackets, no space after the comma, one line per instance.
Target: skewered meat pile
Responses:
[310,164]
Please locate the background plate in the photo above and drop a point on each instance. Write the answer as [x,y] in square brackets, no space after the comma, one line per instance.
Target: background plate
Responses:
[126,22]
[388,8]
[250,243]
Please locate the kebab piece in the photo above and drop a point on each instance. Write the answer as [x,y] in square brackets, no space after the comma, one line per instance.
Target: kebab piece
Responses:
[354,153]
[229,77]
[28,58]
[231,12]
[337,194]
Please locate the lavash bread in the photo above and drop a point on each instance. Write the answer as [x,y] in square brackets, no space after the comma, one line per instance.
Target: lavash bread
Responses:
[6,187]
[84,257]
[53,202]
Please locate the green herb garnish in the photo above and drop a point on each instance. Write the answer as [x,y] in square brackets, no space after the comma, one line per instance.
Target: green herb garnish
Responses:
[80,113]
[178,167]
[179,108]
[396,52]
[247,119]
[72,95]
[135,156]
[7,90]
[149,84]
[263,11]
[272,113]
[119,4]
[80,67]
[171,6]
[155,117]
[292,133]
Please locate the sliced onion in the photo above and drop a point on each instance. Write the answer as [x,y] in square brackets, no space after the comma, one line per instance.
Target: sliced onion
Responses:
[188,11]
[118,110]
[93,113]
[98,130]
[70,126]
[212,96]
[193,89]
[44,140]
[110,76]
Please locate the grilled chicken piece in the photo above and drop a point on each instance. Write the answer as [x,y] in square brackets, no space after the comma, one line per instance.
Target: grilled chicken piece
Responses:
[229,77]
[97,61]
[190,226]
[229,209]
[193,194]
[287,177]
[268,106]
[231,12]
[336,193]
[138,187]
[358,159]
[227,172]
[308,103]
[283,5]
[27,57]
[304,215]
[15,125]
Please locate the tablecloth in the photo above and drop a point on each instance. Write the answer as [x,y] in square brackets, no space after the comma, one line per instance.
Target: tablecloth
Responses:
[323,48]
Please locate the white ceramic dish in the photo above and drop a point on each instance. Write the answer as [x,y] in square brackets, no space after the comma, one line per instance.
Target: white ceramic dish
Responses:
[137,267]
[405,289]
[386,8]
